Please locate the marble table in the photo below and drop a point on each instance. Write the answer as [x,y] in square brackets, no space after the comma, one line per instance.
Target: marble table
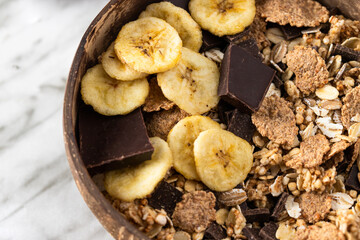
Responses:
[38,197]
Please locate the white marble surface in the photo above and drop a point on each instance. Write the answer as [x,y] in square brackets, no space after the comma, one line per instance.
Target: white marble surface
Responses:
[38,197]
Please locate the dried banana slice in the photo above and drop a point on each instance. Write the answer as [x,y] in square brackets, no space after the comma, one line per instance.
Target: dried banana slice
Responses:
[116,69]
[189,31]
[222,159]
[181,142]
[112,97]
[223,17]
[192,84]
[148,45]
[135,182]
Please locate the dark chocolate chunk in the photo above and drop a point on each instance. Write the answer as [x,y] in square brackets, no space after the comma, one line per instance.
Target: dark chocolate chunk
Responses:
[215,231]
[346,53]
[348,8]
[108,143]
[211,41]
[228,116]
[250,45]
[165,196]
[278,81]
[241,125]
[352,180]
[237,37]
[251,233]
[280,206]
[269,231]
[291,32]
[257,215]
[244,206]
[224,111]
[346,164]
[180,3]
[244,79]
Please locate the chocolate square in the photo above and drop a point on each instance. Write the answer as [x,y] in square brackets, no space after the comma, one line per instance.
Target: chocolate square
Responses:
[251,233]
[215,231]
[241,125]
[224,111]
[280,206]
[244,79]
[269,231]
[165,196]
[112,142]
[346,53]
[211,41]
[291,32]
[237,37]
[352,180]
[257,215]
[250,45]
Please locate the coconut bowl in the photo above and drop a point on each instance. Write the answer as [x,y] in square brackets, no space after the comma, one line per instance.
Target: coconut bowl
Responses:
[101,32]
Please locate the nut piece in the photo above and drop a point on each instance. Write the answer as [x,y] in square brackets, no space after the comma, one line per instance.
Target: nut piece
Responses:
[156,100]
[233,197]
[321,231]
[276,121]
[351,106]
[236,221]
[312,151]
[221,216]
[309,68]
[299,13]
[160,123]
[285,232]
[277,187]
[314,206]
[195,212]
[292,207]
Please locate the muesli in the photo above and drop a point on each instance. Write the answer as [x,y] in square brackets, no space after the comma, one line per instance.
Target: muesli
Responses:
[234,120]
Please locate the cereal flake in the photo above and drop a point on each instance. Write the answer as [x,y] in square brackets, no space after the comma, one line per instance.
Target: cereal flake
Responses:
[276,121]
[156,100]
[321,231]
[337,148]
[160,123]
[351,106]
[195,212]
[298,13]
[314,206]
[309,68]
[312,151]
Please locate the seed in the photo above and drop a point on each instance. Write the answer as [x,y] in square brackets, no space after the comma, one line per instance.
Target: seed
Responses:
[279,51]
[318,184]
[275,35]
[292,186]
[296,193]
[353,43]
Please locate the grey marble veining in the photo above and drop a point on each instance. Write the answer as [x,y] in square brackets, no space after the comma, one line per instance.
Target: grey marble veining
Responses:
[38,197]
